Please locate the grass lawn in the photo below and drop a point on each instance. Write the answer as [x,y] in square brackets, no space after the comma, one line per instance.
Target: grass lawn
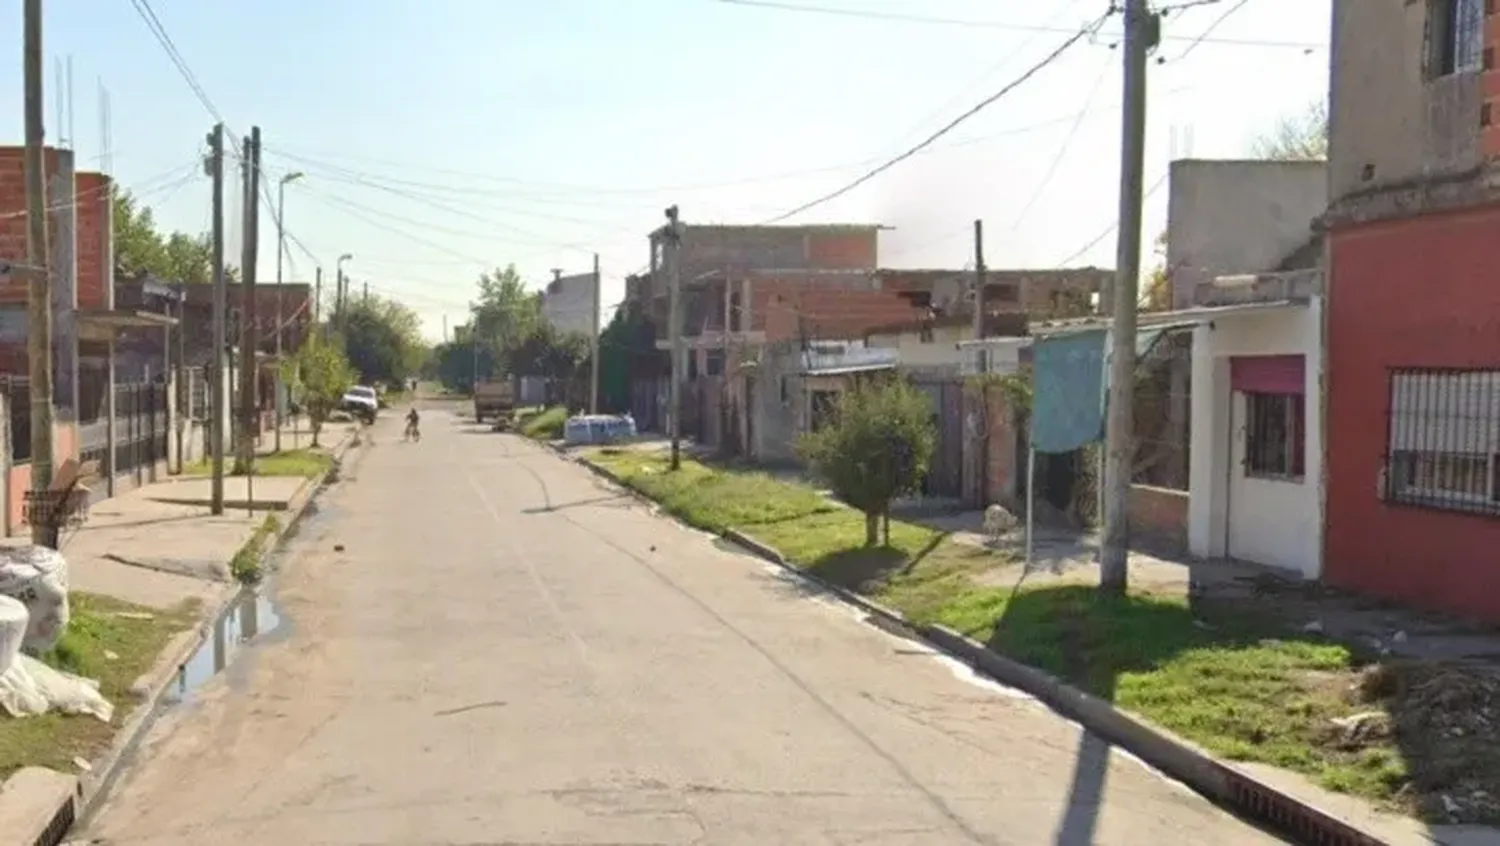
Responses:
[100,644]
[289,462]
[1228,681]
[543,425]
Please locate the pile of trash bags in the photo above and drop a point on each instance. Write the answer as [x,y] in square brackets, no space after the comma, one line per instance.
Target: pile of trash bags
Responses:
[33,616]
[598,429]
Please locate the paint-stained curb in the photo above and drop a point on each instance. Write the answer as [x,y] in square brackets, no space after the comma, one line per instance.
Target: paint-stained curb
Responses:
[1163,750]
[153,685]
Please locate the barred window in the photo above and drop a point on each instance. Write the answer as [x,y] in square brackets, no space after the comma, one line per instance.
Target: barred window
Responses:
[1444,439]
[1274,435]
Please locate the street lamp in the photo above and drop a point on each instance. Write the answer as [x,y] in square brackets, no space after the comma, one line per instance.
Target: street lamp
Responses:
[280,254]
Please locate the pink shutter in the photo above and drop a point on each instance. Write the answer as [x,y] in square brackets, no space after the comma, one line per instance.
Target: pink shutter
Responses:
[1268,374]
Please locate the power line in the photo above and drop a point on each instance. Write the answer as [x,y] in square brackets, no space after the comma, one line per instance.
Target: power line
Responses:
[898,17]
[1203,37]
[1112,227]
[1062,149]
[153,23]
[951,125]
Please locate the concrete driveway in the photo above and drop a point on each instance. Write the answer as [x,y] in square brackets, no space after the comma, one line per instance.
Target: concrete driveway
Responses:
[508,653]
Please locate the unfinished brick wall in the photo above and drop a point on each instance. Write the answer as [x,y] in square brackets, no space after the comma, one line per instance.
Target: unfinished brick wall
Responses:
[13,216]
[95,277]
[1158,517]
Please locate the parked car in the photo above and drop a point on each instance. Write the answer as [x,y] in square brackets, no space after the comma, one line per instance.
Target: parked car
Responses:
[362,402]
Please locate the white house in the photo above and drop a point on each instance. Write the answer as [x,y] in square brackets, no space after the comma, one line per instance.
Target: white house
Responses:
[1255,464]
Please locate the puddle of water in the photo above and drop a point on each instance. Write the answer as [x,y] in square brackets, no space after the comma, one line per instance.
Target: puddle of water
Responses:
[252,615]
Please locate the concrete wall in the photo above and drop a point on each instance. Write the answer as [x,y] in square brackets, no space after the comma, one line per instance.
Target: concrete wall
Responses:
[777,403]
[568,303]
[1277,523]
[939,355]
[1394,118]
[1230,217]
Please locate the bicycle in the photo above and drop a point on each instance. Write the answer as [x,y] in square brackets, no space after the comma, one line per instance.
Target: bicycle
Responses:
[412,433]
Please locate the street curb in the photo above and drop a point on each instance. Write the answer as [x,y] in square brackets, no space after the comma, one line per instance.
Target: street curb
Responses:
[1177,758]
[90,787]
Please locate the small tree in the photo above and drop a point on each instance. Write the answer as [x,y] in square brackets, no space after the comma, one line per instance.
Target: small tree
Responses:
[877,448]
[323,374]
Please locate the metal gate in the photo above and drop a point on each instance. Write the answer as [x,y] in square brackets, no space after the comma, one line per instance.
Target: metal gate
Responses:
[945,476]
[140,427]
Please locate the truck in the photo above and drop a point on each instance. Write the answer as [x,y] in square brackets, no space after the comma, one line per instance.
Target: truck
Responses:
[494,398]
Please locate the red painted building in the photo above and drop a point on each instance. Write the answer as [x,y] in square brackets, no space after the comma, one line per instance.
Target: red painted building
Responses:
[1412,505]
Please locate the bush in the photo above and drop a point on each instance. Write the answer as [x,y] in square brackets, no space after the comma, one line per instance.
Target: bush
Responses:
[547,426]
[877,448]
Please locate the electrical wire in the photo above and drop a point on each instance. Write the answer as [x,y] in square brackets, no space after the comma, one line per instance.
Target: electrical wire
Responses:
[154,24]
[951,125]
[898,17]
[137,191]
[1203,37]
[1113,227]
[1062,149]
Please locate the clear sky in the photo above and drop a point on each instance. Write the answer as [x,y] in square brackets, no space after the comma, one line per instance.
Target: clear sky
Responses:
[440,137]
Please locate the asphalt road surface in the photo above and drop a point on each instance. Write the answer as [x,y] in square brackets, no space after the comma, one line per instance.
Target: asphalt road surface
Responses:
[509,652]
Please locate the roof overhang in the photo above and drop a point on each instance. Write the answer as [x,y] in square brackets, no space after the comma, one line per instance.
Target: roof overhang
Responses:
[102,324]
[849,369]
[1163,321]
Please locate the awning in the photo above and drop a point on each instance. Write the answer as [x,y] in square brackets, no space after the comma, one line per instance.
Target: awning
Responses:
[124,319]
[103,324]
[849,370]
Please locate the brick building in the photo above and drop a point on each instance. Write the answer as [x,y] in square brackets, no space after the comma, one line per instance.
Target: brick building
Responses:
[1413,324]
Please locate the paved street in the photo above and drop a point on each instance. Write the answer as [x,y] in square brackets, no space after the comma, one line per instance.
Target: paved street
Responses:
[508,653]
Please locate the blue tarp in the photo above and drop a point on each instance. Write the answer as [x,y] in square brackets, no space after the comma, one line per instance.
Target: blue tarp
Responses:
[1067,409]
[1068,377]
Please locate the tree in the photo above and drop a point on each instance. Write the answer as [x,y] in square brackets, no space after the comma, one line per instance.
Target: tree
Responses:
[383,339]
[320,373]
[1156,294]
[140,246]
[1302,137]
[877,448]
[505,312]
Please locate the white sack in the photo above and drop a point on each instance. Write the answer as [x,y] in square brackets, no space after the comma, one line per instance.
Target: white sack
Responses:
[13,622]
[38,577]
[30,688]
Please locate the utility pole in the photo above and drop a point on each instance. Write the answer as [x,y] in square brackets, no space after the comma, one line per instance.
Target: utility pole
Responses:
[39,283]
[221,340]
[594,371]
[244,457]
[979,280]
[317,298]
[673,234]
[367,293]
[280,255]
[1141,34]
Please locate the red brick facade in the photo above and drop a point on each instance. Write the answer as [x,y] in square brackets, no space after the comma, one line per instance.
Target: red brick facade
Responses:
[95,276]
[13,216]
[1444,263]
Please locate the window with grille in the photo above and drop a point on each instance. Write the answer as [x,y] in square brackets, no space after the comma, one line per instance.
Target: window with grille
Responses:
[1275,435]
[1443,447]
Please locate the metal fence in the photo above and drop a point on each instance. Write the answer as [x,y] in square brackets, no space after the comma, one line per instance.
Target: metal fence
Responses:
[140,426]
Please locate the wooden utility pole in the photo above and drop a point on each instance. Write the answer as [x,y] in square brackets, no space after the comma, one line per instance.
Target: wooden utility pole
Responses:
[317,303]
[221,336]
[39,283]
[979,280]
[672,232]
[1119,435]
[244,457]
[594,346]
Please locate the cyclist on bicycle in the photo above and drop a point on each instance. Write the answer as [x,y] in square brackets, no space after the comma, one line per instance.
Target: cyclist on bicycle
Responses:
[412,419]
